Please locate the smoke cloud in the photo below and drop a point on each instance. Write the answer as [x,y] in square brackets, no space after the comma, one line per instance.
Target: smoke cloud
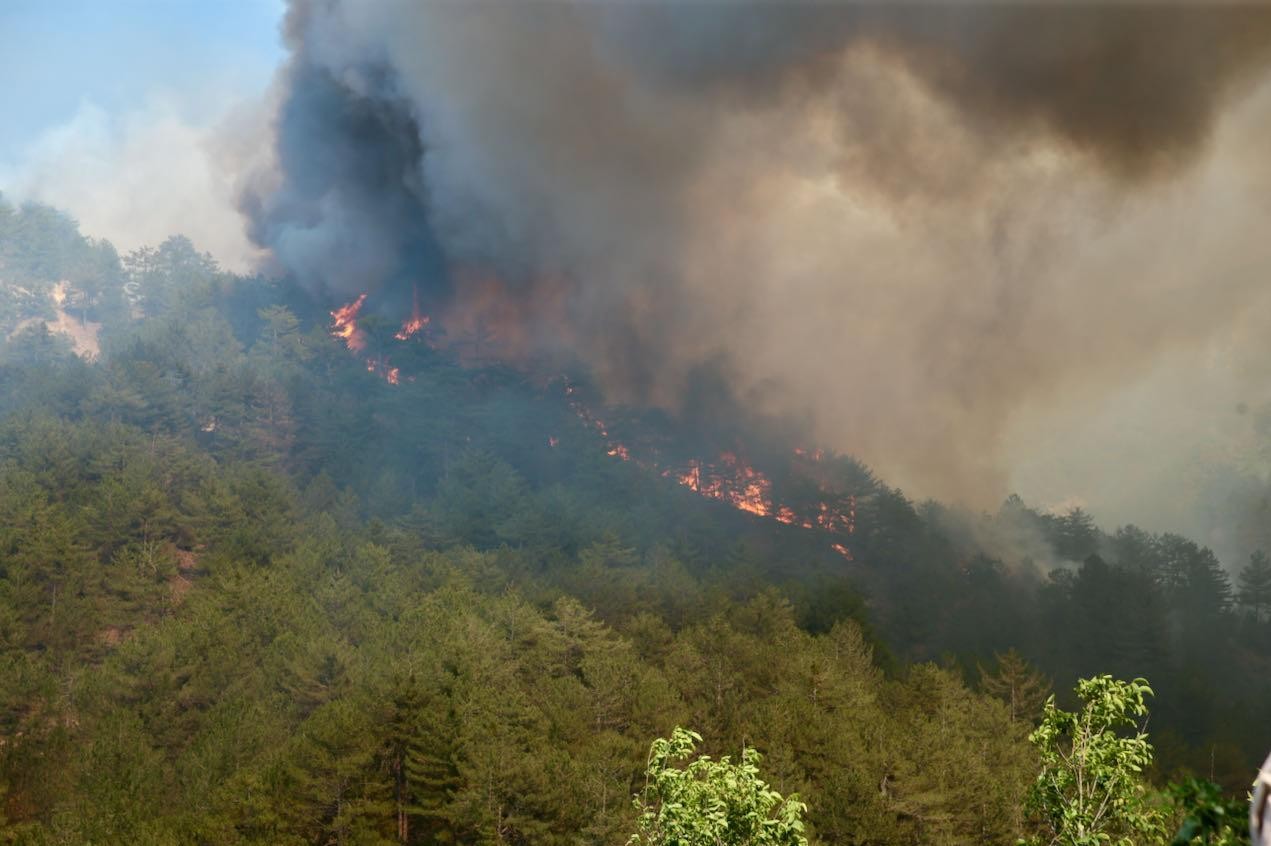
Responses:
[140,176]
[915,229]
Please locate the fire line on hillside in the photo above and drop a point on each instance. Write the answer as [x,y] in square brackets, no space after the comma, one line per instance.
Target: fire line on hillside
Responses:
[729,479]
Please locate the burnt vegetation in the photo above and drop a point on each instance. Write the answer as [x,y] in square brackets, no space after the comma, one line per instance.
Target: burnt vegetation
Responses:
[253,590]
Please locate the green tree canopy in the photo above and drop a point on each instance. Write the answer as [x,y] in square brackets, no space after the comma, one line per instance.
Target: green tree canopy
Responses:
[1090,791]
[712,803]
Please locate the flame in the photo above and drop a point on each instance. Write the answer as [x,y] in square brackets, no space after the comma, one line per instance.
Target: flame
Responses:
[736,483]
[732,481]
[392,375]
[418,320]
[743,487]
[587,417]
[344,324]
[410,327]
[755,490]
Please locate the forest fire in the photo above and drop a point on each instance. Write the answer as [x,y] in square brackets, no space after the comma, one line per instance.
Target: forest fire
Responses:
[728,479]
[739,484]
[731,480]
[410,327]
[417,321]
[344,324]
[345,327]
[745,488]
[736,483]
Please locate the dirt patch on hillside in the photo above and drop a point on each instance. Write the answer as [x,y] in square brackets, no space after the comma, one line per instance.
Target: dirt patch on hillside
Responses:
[83,333]
[183,579]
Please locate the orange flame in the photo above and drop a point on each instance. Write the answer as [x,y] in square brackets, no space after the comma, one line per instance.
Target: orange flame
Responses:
[732,481]
[344,324]
[418,320]
[740,485]
[410,327]
[746,489]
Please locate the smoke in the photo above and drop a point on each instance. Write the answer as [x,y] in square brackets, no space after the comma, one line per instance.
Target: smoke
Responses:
[915,229]
[137,177]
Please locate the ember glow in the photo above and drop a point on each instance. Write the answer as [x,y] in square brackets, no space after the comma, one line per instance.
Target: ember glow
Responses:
[410,327]
[344,324]
[380,367]
[418,320]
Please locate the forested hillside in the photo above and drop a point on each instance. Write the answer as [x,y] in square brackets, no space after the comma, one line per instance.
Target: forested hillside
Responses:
[253,591]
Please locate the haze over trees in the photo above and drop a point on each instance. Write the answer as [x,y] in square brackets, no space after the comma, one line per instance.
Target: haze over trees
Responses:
[251,592]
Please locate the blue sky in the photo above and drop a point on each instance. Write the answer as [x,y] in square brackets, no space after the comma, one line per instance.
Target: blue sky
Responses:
[57,55]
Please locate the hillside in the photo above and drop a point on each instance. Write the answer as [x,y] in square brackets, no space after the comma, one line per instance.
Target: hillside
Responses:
[258,587]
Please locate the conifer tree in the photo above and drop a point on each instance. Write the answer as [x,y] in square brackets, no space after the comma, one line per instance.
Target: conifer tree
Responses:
[1255,585]
[1015,682]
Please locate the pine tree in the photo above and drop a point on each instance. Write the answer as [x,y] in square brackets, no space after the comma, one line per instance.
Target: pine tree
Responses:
[1075,535]
[1208,588]
[281,340]
[317,674]
[423,760]
[1016,683]
[336,796]
[1255,585]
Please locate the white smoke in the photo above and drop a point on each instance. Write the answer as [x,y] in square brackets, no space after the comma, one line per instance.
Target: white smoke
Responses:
[138,177]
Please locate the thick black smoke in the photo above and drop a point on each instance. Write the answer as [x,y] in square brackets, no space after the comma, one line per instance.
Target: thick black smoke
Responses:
[346,212]
[903,223]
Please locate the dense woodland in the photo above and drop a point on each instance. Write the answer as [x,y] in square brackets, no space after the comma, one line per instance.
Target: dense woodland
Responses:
[251,592]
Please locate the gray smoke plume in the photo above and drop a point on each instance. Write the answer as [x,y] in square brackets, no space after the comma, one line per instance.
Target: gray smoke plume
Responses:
[909,226]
